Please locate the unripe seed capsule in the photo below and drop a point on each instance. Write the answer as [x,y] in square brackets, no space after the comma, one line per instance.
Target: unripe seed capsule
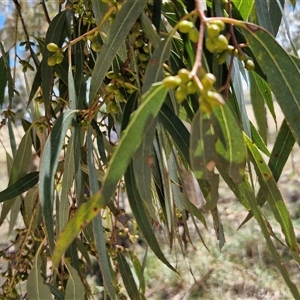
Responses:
[180,94]
[208,81]
[221,43]
[213,30]
[143,57]
[214,99]
[218,23]
[210,45]
[185,26]
[249,65]
[184,75]
[171,82]
[193,35]
[52,47]
[191,87]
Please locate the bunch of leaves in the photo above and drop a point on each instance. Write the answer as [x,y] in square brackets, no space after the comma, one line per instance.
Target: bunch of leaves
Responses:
[105,120]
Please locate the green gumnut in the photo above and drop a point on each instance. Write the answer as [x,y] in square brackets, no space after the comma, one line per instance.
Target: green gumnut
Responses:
[191,87]
[219,23]
[208,81]
[139,43]
[210,45]
[213,30]
[52,47]
[193,35]
[180,94]
[221,58]
[185,26]
[249,65]
[59,57]
[184,75]
[214,99]
[111,88]
[143,57]
[52,60]
[171,82]
[221,43]
[96,46]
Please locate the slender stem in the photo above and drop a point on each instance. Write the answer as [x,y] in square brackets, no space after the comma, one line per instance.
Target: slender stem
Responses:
[33,55]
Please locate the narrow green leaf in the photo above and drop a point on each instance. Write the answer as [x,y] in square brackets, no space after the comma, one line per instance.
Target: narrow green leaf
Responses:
[280,153]
[275,14]
[18,169]
[127,277]
[138,268]
[48,168]
[121,26]
[257,139]
[203,157]
[74,289]
[266,93]
[102,255]
[230,145]
[55,34]
[3,80]
[151,34]
[67,182]
[239,94]
[280,71]
[259,110]
[272,194]
[244,7]
[142,163]
[263,16]
[141,216]
[20,186]
[128,144]
[176,129]
[36,288]
[32,208]
[154,70]
[99,9]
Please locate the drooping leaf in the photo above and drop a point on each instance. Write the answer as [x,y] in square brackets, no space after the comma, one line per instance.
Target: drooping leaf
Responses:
[244,7]
[275,14]
[264,19]
[259,110]
[141,216]
[280,71]
[154,71]
[230,146]
[67,182]
[36,288]
[20,186]
[127,277]
[99,236]
[121,26]
[48,167]
[273,196]
[55,34]
[3,80]
[74,289]
[280,153]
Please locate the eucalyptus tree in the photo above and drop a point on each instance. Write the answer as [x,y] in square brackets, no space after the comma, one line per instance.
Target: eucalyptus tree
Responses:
[137,98]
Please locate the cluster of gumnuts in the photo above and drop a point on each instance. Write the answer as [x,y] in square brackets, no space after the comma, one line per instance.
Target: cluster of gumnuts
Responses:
[185,85]
[217,43]
[114,91]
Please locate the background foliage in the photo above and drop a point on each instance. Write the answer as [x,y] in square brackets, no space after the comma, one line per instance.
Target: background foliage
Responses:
[130,105]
